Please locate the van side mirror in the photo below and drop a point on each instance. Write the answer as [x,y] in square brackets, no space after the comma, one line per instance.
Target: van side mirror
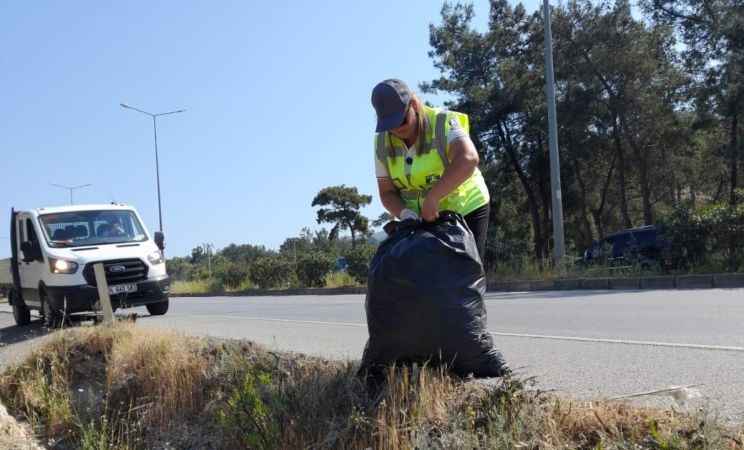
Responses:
[31,251]
[160,240]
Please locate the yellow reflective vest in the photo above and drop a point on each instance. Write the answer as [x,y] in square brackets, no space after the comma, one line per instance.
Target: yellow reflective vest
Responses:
[415,178]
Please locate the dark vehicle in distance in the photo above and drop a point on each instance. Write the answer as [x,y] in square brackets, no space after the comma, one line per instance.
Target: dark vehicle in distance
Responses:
[644,247]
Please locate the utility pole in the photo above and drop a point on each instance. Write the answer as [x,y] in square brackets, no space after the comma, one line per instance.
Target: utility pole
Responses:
[208,250]
[555,166]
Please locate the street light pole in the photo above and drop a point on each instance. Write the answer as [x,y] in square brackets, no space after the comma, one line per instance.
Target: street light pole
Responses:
[555,166]
[71,188]
[157,170]
[208,250]
[157,161]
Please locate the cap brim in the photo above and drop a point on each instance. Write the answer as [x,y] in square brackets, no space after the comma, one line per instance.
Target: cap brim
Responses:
[390,122]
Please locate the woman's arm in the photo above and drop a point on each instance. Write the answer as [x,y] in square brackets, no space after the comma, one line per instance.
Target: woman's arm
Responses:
[390,196]
[463,161]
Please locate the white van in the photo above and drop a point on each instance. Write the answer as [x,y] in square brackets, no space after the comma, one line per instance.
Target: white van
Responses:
[53,251]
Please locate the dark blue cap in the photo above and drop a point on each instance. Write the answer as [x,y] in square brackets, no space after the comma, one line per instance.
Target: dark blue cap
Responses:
[390,99]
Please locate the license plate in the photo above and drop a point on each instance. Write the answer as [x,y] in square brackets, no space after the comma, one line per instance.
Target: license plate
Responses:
[122,289]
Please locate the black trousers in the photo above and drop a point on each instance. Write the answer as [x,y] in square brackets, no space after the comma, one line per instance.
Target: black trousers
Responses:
[478,223]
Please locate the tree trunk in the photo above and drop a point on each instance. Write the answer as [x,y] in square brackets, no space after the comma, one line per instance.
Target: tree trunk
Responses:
[532,202]
[648,216]
[642,158]
[621,174]
[597,213]
[586,234]
[719,190]
[545,197]
[734,174]
[353,235]
[734,158]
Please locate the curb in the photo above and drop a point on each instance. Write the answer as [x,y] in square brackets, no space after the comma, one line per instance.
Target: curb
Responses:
[281,292]
[709,281]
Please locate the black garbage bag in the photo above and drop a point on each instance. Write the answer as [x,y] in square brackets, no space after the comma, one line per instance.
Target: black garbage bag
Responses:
[425,301]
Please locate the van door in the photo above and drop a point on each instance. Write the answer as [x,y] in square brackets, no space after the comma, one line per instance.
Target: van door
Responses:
[30,271]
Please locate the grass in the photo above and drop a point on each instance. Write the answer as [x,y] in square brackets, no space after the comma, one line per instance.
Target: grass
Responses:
[123,387]
[190,287]
[340,279]
[180,287]
[528,269]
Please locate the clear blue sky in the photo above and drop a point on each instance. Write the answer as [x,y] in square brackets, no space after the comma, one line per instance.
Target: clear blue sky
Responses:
[277,95]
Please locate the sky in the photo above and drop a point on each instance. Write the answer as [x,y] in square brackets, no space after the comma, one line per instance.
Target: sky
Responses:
[277,99]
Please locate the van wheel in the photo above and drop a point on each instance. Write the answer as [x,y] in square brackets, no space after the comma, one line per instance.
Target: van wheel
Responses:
[157,309]
[53,318]
[21,313]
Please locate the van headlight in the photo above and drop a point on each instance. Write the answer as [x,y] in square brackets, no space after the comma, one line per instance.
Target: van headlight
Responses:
[62,266]
[155,258]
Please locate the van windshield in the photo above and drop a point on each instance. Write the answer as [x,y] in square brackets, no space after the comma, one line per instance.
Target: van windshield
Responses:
[83,228]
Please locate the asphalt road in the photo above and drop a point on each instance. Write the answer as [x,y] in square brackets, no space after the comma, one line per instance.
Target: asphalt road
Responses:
[589,344]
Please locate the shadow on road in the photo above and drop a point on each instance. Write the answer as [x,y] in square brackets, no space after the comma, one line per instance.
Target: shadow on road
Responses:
[15,334]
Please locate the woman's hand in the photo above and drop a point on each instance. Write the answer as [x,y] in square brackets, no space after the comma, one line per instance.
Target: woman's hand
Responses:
[430,208]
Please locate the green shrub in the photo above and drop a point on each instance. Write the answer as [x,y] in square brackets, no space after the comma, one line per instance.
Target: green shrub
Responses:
[358,259]
[313,267]
[269,272]
[707,237]
[340,279]
[247,415]
[216,286]
[725,228]
[232,274]
[686,231]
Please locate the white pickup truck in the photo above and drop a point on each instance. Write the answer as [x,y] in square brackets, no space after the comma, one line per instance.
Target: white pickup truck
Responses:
[53,251]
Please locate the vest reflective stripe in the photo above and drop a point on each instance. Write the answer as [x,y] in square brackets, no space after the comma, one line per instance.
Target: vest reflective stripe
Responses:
[413,195]
[383,149]
[414,181]
[380,147]
[442,138]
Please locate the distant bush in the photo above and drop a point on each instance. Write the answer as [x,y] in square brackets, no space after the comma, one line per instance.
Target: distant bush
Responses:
[269,272]
[707,237]
[340,279]
[358,259]
[232,275]
[216,286]
[313,267]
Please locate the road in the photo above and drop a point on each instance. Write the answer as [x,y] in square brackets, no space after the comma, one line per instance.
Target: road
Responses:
[589,344]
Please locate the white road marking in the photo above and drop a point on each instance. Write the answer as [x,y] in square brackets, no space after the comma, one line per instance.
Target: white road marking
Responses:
[519,335]
[624,341]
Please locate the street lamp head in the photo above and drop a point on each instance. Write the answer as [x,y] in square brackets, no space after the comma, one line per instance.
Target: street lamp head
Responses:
[124,105]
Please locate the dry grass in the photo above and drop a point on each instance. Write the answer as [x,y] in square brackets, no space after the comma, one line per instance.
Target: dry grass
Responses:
[340,279]
[190,287]
[131,388]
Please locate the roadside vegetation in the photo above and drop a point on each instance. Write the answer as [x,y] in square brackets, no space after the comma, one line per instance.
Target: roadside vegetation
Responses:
[651,132]
[315,259]
[701,242]
[124,387]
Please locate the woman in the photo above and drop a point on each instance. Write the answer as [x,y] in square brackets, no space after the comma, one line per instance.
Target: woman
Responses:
[425,161]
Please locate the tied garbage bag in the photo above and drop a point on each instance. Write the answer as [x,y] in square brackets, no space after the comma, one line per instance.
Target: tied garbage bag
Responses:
[425,301]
